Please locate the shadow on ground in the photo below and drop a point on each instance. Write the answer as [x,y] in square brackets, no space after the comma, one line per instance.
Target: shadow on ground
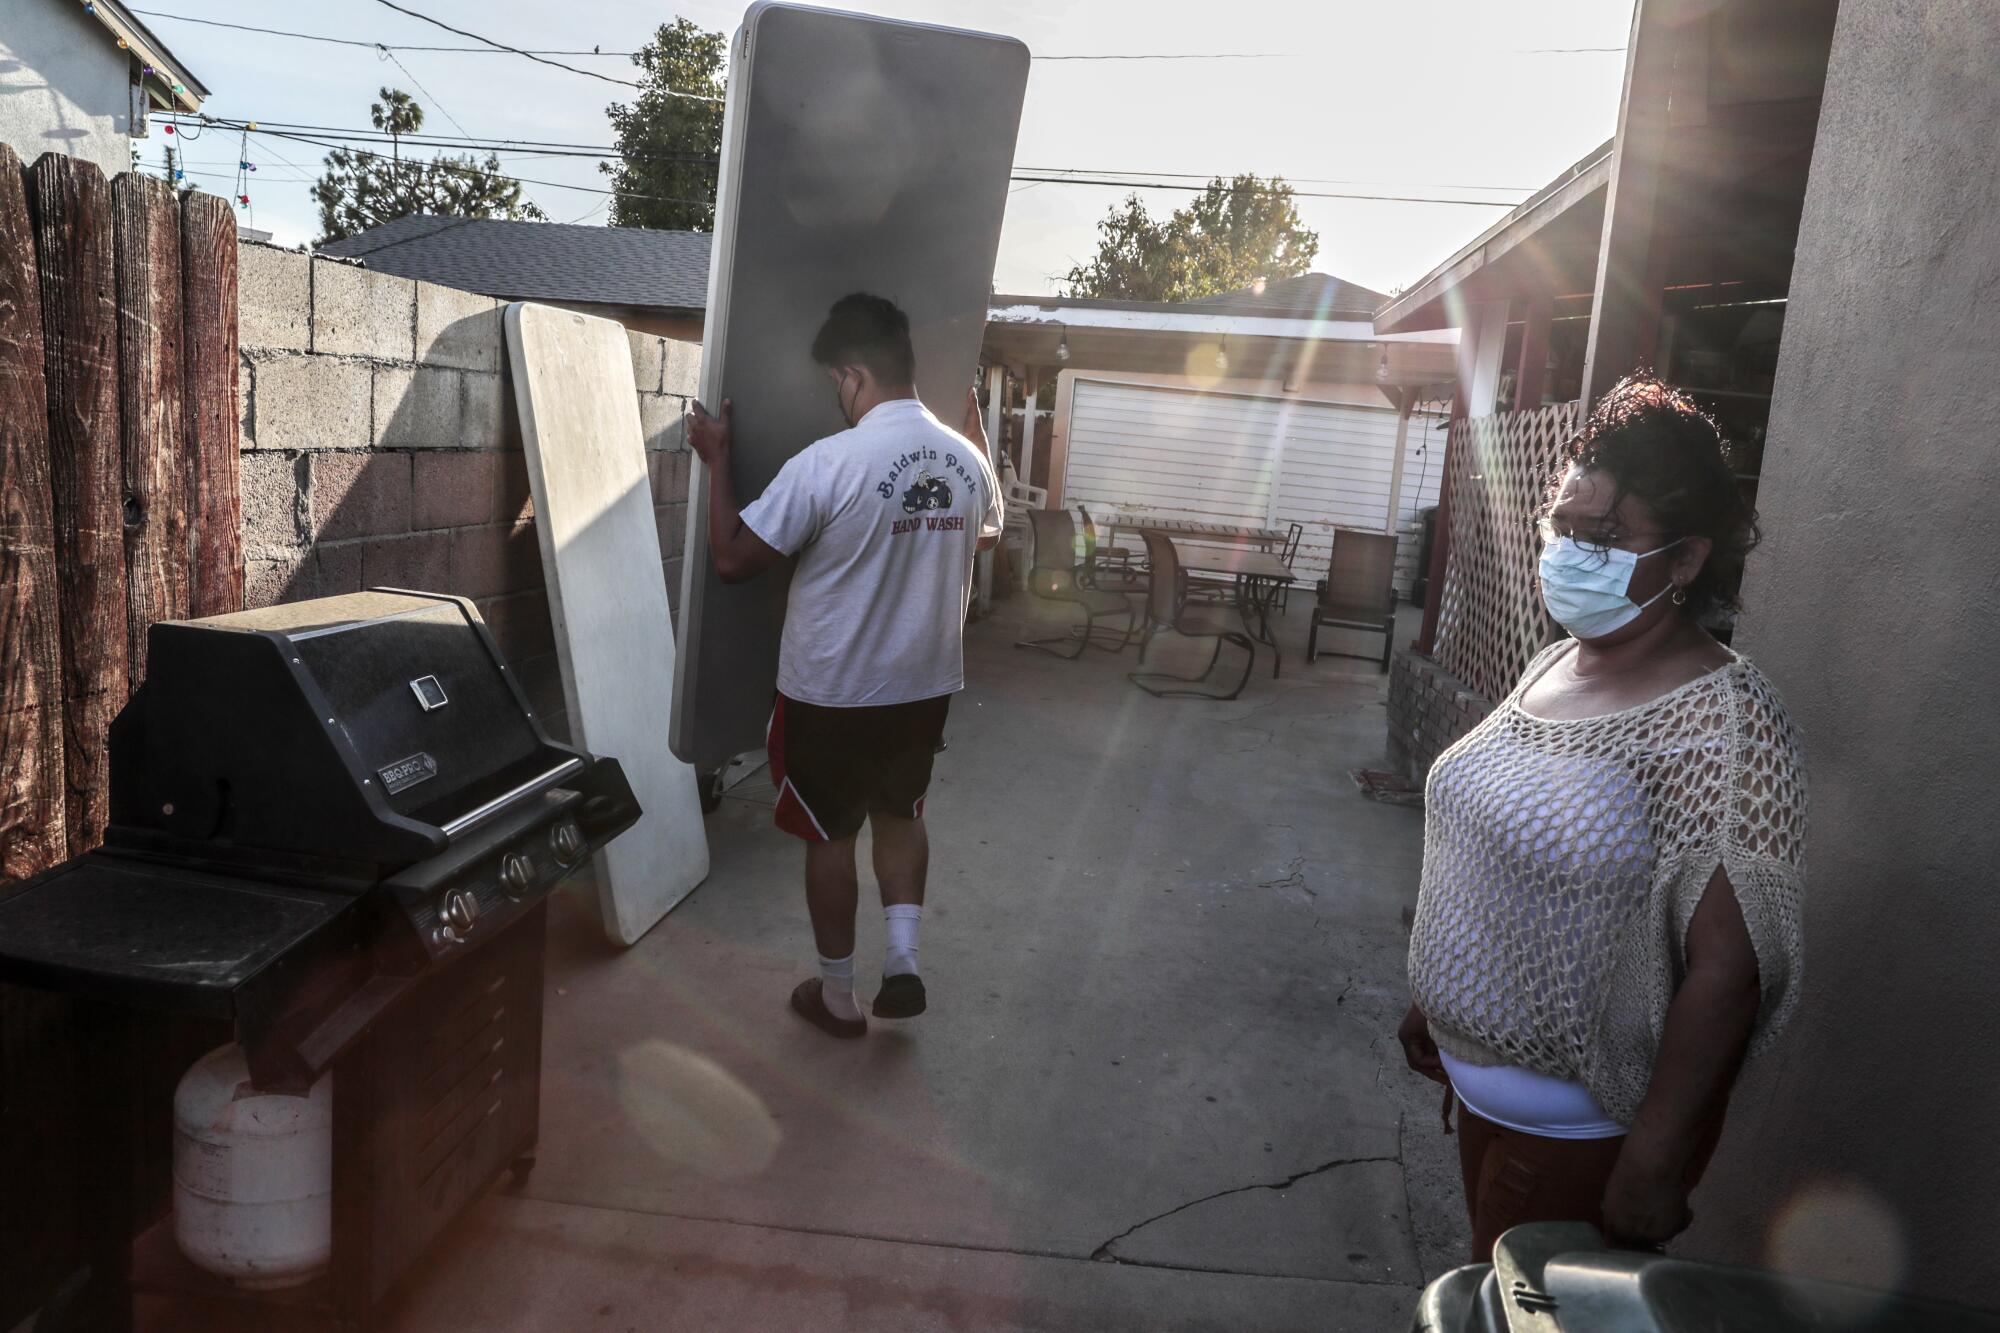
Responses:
[1158,1087]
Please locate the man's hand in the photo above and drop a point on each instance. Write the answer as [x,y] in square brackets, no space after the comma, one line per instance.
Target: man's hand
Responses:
[1644,1205]
[1419,1051]
[709,436]
[973,427]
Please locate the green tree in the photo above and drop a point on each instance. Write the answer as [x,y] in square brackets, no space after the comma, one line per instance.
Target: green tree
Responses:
[363,188]
[670,138]
[1234,233]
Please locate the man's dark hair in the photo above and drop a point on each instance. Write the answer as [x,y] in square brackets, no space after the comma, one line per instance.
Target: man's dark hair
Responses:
[864,330]
[1655,445]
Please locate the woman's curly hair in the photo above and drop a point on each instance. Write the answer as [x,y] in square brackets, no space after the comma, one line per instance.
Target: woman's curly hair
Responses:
[1656,446]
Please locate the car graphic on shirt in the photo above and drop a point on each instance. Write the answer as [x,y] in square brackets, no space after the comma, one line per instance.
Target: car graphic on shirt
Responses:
[928,493]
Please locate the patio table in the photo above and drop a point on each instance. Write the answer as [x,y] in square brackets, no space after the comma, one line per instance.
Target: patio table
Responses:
[1258,575]
[1192,530]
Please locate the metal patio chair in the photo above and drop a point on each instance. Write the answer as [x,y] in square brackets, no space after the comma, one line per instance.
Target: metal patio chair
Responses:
[1107,568]
[1293,535]
[1053,576]
[1167,609]
[1358,592]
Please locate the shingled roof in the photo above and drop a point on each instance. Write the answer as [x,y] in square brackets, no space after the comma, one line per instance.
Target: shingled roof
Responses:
[1309,296]
[540,261]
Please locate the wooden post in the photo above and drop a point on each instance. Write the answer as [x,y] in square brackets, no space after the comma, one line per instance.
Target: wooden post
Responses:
[73,232]
[150,409]
[1030,389]
[996,412]
[1665,74]
[208,314]
[33,819]
[1482,341]
[1441,534]
[1409,401]
[1531,373]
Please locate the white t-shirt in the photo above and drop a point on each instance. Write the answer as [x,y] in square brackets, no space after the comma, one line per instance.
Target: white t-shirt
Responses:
[885,520]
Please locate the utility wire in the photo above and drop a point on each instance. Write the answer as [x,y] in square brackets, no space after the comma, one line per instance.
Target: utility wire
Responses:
[1026,177]
[496,49]
[491,175]
[383,52]
[540,60]
[351,41]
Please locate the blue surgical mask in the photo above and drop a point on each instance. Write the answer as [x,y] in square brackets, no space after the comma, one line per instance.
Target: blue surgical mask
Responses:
[1586,587]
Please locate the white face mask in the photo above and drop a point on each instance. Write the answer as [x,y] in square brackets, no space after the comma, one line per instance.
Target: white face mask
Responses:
[1585,587]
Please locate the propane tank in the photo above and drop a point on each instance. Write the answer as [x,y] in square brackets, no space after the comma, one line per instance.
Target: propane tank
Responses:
[253,1174]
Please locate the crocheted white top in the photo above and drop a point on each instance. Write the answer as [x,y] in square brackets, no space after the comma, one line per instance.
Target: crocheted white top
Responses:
[1563,861]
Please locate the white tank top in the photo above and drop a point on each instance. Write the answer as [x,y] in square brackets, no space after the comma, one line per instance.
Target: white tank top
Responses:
[1534,1103]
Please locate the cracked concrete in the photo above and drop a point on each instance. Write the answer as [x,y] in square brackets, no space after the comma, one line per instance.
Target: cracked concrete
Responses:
[1300,1226]
[1165,979]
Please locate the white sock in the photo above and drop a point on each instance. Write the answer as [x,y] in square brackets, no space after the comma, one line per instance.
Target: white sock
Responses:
[901,920]
[836,986]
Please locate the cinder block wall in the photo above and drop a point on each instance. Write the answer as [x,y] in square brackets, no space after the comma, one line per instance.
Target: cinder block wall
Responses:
[1429,710]
[381,446]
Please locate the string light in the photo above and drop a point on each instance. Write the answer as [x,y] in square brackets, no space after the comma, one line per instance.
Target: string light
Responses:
[1222,355]
[1062,345]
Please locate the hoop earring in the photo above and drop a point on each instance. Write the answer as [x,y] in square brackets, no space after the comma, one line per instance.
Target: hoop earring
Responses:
[1680,597]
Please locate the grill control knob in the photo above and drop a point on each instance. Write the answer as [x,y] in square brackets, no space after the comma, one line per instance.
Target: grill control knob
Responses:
[460,909]
[517,874]
[566,841]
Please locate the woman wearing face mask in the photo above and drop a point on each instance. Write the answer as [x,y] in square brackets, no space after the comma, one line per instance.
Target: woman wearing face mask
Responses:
[1609,920]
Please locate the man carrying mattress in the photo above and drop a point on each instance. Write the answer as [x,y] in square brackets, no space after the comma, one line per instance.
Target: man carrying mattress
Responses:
[884,518]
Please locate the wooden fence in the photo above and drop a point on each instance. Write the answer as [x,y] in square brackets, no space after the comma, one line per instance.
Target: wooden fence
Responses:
[1490,617]
[118,507]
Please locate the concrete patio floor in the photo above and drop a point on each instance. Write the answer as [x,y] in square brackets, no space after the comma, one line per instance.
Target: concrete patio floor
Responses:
[1158,1087]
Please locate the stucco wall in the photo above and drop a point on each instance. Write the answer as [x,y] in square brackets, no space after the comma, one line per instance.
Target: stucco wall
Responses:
[65,87]
[1863,1148]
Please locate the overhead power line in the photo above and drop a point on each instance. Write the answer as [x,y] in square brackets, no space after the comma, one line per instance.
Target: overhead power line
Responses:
[1042,176]
[391,55]
[355,41]
[540,60]
[497,49]
[479,171]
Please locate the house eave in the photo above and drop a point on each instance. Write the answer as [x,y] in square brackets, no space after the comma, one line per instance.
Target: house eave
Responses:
[1416,308]
[147,49]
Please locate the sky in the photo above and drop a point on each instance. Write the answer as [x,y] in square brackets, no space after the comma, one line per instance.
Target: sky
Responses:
[1447,99]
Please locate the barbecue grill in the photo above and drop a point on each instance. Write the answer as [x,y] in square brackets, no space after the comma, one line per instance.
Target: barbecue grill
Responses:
[334,825]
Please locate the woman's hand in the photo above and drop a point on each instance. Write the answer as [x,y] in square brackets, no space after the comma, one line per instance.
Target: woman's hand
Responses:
[709,436]
[1419,1050]
[1645,1205]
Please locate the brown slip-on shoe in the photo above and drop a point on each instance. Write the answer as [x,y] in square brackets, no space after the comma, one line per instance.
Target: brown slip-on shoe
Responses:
[809,1004]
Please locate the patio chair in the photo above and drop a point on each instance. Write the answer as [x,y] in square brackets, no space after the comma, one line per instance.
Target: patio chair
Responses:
[1053,577]
[1167,609]
[1293,535]
[1107,568]
[1359,591]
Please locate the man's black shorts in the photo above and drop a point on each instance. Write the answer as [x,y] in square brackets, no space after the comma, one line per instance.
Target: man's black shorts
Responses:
[836,766]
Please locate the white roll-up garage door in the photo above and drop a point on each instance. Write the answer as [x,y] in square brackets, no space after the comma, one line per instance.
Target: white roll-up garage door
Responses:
[1246,459]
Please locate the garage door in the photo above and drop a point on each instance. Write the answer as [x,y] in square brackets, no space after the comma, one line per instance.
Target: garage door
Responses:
[1247,459]
[1164,449]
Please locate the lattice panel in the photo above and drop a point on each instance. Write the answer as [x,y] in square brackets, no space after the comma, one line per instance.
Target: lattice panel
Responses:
[1491,621]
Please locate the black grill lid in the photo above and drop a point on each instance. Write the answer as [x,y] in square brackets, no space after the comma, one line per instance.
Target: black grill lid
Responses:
[356,727]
